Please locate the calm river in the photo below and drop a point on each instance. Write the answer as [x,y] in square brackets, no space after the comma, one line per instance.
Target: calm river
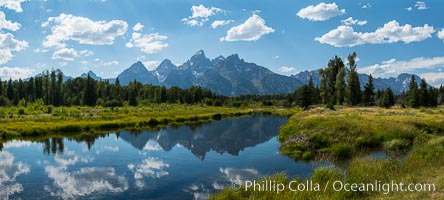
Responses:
[183,162]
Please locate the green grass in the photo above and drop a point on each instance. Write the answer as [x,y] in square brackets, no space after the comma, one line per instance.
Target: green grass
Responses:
[346,134]
[335,134]
[20,122]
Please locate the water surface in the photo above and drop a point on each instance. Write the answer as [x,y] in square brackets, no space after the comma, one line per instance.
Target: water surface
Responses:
[184,162]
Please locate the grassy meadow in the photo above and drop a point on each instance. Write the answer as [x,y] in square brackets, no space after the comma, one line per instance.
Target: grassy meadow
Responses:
[34,120]
[412,140]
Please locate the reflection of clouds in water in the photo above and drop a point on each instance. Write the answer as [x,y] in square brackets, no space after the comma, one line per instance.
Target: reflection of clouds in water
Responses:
[150,167]
[218,186]
[70,158]
[85,181]
[239,176]
[152,146]
[228,177]
[17,144]
[69,185]
[199,192]
[8,172]
[107,149]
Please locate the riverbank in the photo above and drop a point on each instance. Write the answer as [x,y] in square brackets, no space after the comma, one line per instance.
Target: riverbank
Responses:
[342,135]
[19,123]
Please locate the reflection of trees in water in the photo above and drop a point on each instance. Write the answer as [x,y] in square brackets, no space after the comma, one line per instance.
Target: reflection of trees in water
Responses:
[229,135]
[53,146]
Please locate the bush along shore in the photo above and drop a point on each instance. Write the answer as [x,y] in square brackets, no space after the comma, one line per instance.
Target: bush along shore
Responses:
[411,141]
[35,121]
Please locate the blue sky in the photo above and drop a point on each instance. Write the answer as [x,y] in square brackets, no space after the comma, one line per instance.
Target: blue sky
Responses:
[286,36]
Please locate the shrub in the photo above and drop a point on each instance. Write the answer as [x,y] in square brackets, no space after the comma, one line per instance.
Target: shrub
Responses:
[396,145]
[21,111]
[217,116]
[341,151]
[4,101]
[113,103]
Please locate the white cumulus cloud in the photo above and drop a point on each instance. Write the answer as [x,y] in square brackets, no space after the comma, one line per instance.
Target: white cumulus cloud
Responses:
[15,5]
[251,30]
[69,54]
[15,73]
[8,44]
[218,23]
[66,27]
[350,21]
[6,24]
[286,69]
[200,15]
[391,32]
[421,5]
[151,65]
[148,43]
[440,34]
[320,12]
[138,27]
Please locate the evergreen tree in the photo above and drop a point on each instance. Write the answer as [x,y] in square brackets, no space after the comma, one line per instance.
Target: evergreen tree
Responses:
[30,90]
[440,95]
[38,81]
[53,89]
[10,91]
[354,88]
[132,94]
[46,88]
[303,97]
[1,87]
[368,96]
[433,97]
[387,99]
[423,93]
[59,90]
[328,81]
[313,91]
[118,89]
[340,86]
[163,95]
[90,94]
[21,92]
[413,94]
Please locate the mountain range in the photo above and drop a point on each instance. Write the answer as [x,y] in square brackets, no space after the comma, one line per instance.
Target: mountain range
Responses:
[233,76]
[228,76]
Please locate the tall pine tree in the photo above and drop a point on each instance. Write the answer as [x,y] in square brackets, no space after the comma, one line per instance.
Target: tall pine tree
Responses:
[413,98]
[368,96]
[354,88]
[423,93]
[340,86]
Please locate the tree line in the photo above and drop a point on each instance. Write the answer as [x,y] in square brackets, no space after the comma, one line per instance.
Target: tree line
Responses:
[51,89]
[340,85]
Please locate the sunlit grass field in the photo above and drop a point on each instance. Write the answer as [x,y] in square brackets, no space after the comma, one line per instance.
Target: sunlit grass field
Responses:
[35,120]
[412,140]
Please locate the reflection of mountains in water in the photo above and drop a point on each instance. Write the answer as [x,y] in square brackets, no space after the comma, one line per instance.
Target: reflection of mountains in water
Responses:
[228,135]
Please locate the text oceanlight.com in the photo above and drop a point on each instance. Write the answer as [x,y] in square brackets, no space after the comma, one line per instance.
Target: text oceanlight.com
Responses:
[338,186]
